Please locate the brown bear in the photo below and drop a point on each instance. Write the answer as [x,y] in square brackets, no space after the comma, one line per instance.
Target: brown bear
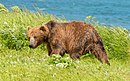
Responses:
[75,38]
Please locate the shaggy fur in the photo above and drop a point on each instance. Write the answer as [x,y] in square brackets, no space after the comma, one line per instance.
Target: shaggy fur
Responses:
[75,38]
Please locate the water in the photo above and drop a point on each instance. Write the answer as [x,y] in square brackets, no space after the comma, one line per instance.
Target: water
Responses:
[110,12]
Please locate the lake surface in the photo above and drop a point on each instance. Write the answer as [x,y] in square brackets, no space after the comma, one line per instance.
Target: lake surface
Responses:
[110,12]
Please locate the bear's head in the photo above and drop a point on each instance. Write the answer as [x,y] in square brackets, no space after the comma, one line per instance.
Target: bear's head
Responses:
[37,35]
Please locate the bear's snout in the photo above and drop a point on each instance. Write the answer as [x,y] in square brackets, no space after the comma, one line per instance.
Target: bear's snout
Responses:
[33,43]
[30,46]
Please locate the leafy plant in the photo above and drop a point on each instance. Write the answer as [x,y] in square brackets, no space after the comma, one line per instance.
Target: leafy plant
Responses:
[13,37]
[62,62]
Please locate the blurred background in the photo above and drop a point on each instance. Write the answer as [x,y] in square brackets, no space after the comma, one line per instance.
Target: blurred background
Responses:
[109,12]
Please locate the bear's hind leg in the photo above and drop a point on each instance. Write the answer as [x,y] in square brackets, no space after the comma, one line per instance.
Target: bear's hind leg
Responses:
[100,54]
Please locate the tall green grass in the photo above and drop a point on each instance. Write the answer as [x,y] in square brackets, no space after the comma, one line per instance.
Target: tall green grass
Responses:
[20,63]
[116,39]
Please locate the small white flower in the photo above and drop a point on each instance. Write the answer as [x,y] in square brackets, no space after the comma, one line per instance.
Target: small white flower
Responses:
[54,75]
[61,65]
[25,63]
[5,23]
[51,66]
[18,60]
[13,62]
[77,61]
[32,60]
[10,56]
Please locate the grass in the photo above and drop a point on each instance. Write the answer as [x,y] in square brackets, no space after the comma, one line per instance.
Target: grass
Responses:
[35,65]
[20,63]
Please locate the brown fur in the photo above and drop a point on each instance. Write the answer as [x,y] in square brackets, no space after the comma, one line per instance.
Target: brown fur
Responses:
[76,38]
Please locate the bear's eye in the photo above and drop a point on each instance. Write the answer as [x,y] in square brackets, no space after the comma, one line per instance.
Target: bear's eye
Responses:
[35,37]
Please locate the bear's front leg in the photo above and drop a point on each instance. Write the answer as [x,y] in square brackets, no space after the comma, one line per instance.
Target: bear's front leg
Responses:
[49,49]
[56,48]
[75,55]
[58,51]
[55,51]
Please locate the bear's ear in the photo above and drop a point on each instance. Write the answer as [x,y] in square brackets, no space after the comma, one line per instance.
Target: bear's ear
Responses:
[51,24]
[43,28]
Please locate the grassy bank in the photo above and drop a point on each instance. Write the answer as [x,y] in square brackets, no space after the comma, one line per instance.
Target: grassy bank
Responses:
[20,63]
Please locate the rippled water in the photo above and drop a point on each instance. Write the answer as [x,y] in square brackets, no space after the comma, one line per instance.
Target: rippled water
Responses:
[115,12]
